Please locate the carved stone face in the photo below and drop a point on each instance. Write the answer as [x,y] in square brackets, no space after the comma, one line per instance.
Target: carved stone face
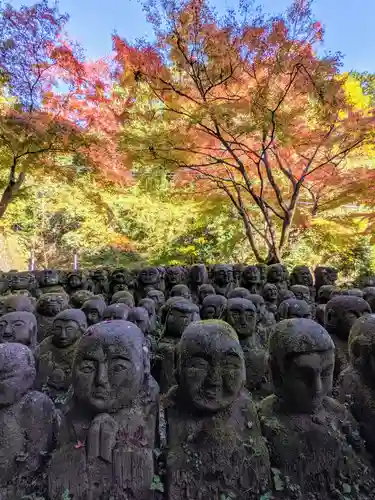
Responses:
[204,291]
[275,273]
[270,292]
[362,347]
[242,316]
[50,304]
[65,332]
[116,311]
[341,313]
[174,275]
[49,277]
[324,293]
[139,316]
[158,297]
[308,380]
[17,372]
[18,327]
[302,360]
[259,304]
[223,275]
[301,292]
[108,369]
[213,307]
[79,297]
[211,367]
[118,277]
[263,268]
[75,280]
[180,291]
[19,281]
[237,271]
[99,275]
[198,275]
[149,276]
[301,275]
[251,274]
[179,316]
[93,309]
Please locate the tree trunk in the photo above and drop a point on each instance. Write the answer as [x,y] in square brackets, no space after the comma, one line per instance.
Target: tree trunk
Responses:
[10,192]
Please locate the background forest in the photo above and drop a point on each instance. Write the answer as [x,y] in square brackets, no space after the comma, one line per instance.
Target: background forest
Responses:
[228,138]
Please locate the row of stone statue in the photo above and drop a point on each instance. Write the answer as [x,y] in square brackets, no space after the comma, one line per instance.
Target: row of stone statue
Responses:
[222,277]
[246,411]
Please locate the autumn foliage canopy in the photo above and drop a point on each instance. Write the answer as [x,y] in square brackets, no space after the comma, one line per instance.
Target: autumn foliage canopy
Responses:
[246,109]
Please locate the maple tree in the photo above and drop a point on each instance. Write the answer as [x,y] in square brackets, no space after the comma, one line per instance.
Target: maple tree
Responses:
[35,59]
[242,108]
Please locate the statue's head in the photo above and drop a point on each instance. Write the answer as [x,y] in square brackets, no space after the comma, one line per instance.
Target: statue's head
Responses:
[211,366]
[239,292]
[110,367]
[49,277]
[301,292]
[20,281]
[149,276]
[301,275]
[50,304]
[20,327]
[362,347]
[301,357]
[75,279]
[177,314]
[78,298]
[174,275]
[149,305]
[140,317]
[99,275]
[67,327]
[223,274]
[198,275]
[263,270]
[13,303]
[120,276]
[238,271]
[180,291]
[213,307]
[275,273]
[259,304]
[94,309]
[285,295]
[341,312]
[242,316]
[17,372]
[123,296]
[325,275]
[294,308]
[270,292]
[158,297]
[355,292]
[116,311]
[369,296]
[204,291]
[324,293]
[251,275]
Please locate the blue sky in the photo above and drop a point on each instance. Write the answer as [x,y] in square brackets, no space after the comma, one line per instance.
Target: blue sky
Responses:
[349,25]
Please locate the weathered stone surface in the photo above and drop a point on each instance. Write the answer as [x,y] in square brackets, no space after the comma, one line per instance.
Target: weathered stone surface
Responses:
[215,448]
